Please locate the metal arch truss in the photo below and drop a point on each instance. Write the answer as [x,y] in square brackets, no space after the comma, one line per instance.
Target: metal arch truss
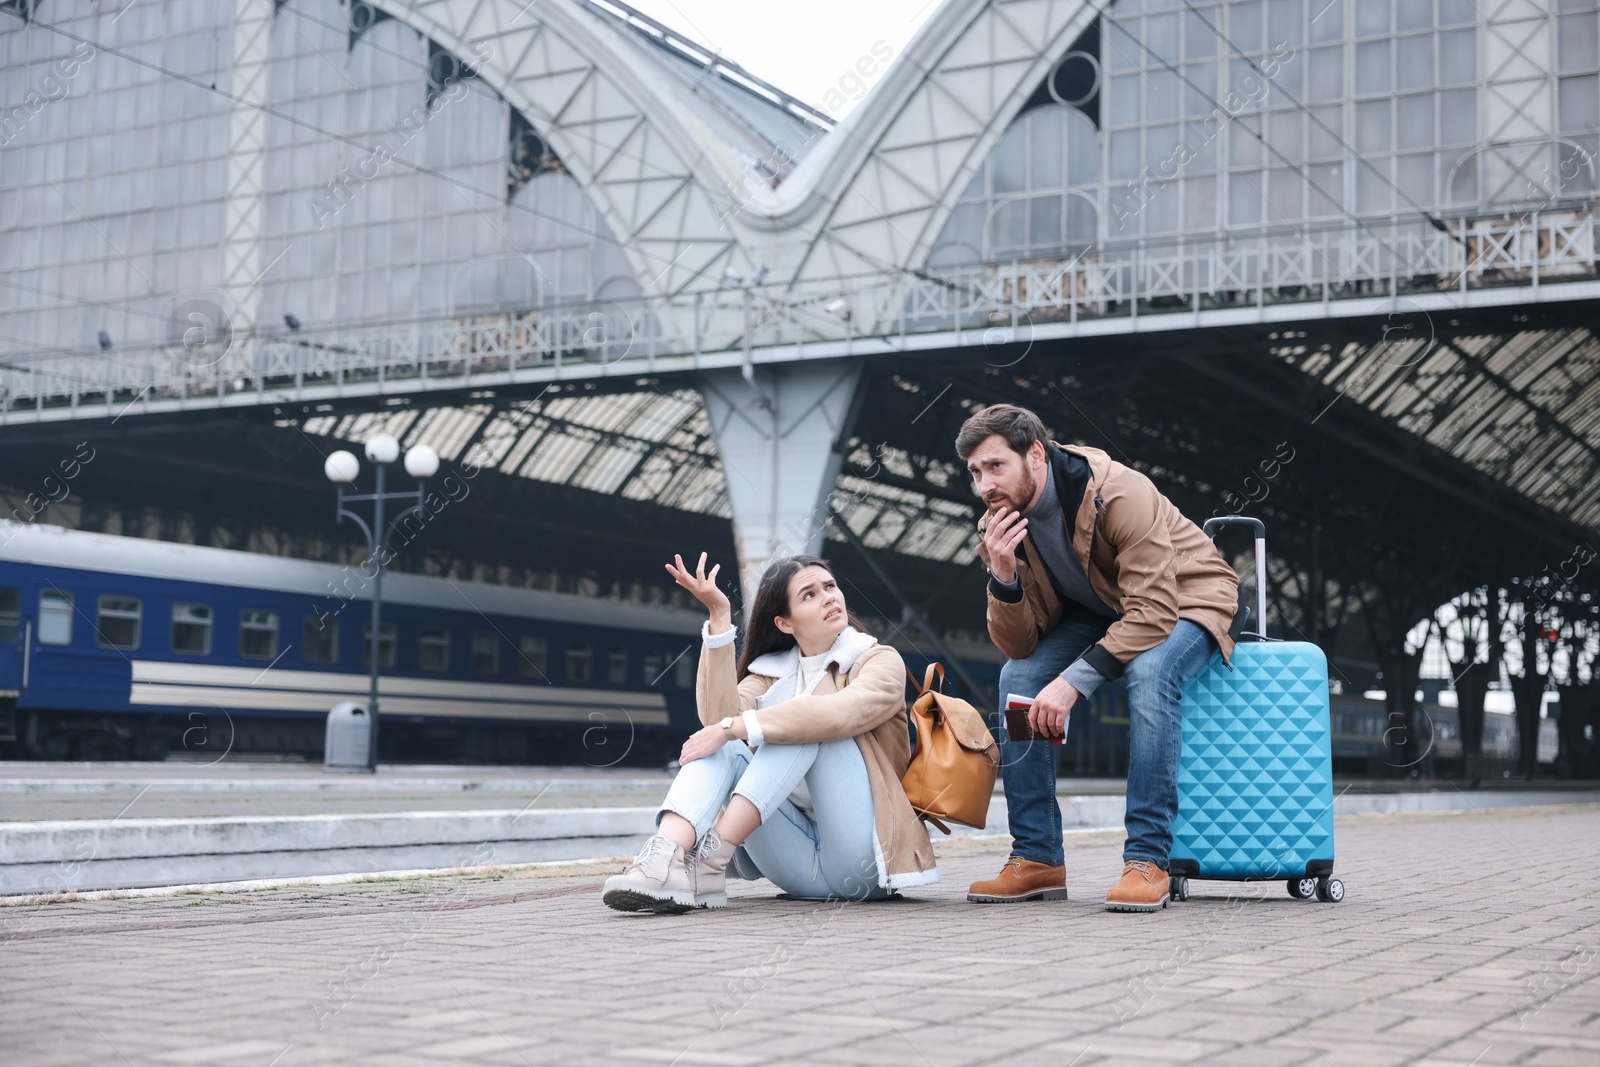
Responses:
[921,135]
[845,237]
[642,162]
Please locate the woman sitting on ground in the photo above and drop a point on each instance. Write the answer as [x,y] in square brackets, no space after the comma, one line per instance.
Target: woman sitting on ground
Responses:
[802,752]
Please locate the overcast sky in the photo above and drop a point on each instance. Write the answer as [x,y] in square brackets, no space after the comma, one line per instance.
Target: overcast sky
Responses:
[810,50]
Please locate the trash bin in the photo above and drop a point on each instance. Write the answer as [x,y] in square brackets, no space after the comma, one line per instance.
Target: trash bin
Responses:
[348,737]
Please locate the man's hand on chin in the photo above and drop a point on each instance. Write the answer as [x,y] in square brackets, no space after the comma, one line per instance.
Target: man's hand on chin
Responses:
[1005,530]
[1048,715]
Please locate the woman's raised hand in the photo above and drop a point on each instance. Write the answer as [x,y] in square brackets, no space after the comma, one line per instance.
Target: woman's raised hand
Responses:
[703,587]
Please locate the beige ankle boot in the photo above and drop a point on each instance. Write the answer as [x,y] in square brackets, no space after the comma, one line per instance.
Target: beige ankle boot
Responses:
[709,874]
[657,880]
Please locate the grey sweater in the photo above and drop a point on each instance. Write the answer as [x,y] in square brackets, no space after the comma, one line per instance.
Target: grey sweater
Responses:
[1048,531]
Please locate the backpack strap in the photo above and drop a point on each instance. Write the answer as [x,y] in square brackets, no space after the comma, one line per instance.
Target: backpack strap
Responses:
[928,683]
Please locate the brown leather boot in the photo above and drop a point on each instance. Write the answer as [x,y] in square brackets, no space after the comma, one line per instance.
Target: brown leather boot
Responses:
[1021,879]
[1143,887]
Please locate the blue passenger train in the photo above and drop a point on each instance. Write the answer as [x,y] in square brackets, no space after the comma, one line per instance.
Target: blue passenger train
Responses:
[128,648]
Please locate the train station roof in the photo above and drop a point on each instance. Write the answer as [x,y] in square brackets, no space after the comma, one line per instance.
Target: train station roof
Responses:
[654,446]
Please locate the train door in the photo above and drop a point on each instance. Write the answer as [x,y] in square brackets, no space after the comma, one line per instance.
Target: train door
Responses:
[13,657]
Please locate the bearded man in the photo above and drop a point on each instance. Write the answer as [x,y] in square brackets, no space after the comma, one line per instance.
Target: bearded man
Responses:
[1093,575]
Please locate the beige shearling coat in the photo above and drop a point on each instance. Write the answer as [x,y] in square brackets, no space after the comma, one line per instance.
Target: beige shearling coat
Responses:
[862,696]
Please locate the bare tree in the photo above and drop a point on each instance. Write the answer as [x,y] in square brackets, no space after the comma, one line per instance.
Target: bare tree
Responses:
[1474,661]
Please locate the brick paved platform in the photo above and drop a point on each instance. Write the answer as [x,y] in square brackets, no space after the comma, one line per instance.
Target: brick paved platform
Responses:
[1464,939]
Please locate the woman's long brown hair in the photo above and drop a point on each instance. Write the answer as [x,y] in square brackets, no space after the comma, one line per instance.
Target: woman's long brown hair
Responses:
[772,600]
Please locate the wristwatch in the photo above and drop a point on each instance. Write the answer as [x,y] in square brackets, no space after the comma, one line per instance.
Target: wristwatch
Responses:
[727,729]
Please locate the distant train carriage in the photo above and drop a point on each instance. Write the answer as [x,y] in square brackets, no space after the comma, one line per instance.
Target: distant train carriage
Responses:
[124,647]
[1367,737]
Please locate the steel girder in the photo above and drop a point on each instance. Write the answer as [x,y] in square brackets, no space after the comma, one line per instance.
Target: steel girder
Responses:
[876,193]
[649,168]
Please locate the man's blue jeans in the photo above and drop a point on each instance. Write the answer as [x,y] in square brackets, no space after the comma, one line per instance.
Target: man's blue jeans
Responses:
[1155,687]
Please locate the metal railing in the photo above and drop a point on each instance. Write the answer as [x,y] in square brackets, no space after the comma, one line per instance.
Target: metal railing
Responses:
[586,339]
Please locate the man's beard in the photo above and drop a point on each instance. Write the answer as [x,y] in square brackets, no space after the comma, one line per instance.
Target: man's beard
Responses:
[1027,491]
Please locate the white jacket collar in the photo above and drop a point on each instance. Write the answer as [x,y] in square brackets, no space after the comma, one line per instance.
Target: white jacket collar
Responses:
[847,648]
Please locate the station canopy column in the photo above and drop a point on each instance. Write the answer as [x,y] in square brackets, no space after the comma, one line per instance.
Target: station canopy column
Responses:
[780,431]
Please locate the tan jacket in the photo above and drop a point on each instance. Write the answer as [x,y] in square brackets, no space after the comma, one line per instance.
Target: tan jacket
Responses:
[865,702]
[1143,558]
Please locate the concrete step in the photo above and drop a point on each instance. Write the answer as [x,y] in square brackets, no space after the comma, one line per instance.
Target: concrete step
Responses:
[65,855]
[81,854]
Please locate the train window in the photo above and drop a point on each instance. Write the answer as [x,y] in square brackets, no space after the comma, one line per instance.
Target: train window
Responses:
[118,623]
[578,661]
[55,618]
[258,633]
[485,652]
[652,667]
[533,656]
[320,640]
[386,643]
[617,666]
[10,613]
[433,648]
[686,669]
[191,629]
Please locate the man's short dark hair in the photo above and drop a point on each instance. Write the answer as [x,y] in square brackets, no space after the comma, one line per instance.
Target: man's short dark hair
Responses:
[1019,426]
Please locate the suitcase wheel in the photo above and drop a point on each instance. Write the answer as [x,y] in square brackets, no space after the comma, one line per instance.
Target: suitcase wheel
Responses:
[1330,890]
[1302,888]
[1179,888]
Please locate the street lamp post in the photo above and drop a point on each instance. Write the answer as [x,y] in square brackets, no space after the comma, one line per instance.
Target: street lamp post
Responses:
[341,468]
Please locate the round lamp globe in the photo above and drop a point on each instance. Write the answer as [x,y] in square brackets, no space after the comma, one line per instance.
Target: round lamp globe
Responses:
[422,462]
[383,448]
[341,467]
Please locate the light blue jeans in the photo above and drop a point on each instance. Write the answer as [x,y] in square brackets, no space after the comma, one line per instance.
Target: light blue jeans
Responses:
[829,856]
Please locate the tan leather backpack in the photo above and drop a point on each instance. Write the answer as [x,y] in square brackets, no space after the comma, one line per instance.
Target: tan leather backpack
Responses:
[952,769]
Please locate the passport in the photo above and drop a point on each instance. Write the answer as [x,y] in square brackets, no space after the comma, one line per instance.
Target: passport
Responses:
[1017,727]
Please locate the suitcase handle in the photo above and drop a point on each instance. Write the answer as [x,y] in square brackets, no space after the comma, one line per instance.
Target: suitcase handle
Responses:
[1215,524]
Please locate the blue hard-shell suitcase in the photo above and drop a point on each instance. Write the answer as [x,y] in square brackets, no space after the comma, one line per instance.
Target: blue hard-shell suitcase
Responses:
[1255,785]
